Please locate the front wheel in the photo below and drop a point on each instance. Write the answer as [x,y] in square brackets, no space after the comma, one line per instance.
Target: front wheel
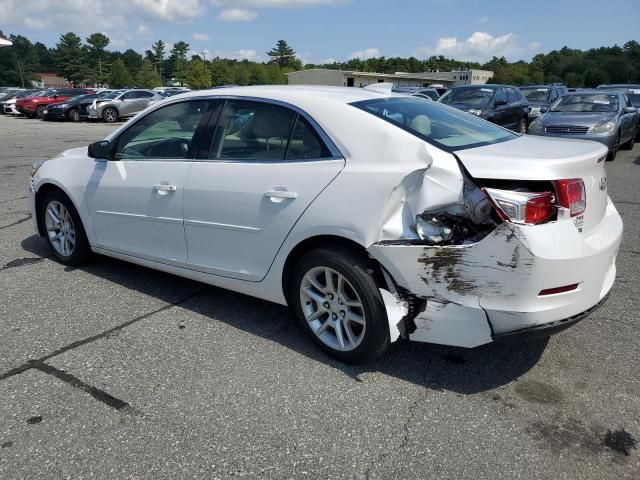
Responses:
[522,126]
[110,115]
[632,141]
[63,229]
[74,115]
[614,151]
[40,111]
[336,299]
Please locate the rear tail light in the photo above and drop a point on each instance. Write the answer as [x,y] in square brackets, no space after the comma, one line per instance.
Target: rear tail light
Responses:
[572,195]
[523,207]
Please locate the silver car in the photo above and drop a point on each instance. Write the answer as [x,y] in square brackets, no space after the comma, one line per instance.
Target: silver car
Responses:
[605,117]
[123,104]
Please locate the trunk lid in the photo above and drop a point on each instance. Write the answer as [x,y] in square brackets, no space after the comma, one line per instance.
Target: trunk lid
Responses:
[547,159]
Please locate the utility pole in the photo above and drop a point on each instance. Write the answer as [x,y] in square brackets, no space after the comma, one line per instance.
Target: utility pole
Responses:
[20,64]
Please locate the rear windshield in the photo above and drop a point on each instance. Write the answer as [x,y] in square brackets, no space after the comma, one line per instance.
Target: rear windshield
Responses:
[536,94]
[442,126]
[586,103]
[468,96]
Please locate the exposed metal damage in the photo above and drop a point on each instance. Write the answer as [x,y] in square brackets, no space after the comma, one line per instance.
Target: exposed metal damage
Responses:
[447,258]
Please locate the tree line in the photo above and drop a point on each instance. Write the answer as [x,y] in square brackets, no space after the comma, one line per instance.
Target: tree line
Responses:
[90,62]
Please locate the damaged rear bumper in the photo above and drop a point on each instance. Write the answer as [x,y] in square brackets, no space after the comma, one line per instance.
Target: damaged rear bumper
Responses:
[475,294]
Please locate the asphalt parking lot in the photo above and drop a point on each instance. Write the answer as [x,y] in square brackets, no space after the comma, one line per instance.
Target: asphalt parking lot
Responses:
[117,371]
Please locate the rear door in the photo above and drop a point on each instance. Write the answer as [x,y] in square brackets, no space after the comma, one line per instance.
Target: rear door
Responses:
[501,112]
[514,108]
[267,164]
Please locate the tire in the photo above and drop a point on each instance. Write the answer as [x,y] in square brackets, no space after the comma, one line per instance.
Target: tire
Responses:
[362,340]
[631,142]
[522,126]
[40,111]
[110,115]
[67,230]
[74,115]
[613,153]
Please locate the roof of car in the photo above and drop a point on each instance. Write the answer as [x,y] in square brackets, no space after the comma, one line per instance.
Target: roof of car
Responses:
[485,85]
[286,93]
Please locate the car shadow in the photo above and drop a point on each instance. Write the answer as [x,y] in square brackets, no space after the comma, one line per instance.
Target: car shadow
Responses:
[464,371]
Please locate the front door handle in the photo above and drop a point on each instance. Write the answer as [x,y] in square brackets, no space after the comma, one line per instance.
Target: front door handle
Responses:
[277,196]
[165,188]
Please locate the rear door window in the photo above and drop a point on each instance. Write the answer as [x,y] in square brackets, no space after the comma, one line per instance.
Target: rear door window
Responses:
[512,96]
[250,130]
[305,143]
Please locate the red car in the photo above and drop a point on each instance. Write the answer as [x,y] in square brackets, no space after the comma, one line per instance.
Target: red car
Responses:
[35,106]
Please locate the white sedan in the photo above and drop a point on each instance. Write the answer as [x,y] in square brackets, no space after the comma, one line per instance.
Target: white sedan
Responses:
[374,216]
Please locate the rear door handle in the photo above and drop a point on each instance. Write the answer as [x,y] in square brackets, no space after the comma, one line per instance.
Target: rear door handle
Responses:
[165,188]
[278,196]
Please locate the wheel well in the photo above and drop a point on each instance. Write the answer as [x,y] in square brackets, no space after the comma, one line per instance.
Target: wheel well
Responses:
[325,241]
[40,196]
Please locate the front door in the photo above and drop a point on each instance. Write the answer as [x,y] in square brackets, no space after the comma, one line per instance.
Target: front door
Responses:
[135,199]
[268,163]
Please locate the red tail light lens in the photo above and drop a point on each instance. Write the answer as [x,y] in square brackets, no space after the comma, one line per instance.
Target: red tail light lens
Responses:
[523,207]
[539,209]
[572,195]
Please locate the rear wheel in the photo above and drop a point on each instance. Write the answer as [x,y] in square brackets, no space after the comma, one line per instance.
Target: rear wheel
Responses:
[336,299]
[522,126]
[63,229]
[614,152]
[74,115]
[110,115]
[40,111]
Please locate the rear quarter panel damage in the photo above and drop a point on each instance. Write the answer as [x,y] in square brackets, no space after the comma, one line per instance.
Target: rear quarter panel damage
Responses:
[455,279]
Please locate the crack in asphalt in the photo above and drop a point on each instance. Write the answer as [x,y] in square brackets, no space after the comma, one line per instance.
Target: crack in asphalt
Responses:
[14,200]
[382,458]
[22,220]
[104,397]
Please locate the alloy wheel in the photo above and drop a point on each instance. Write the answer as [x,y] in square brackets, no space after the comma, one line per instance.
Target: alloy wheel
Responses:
[332,308]
[523,126]
[74,116]
[110,115]
[60,228]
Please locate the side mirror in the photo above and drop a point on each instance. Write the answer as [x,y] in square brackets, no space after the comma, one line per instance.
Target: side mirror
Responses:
[55,95]
[100,149]
[630,110]
[543,109]
[500,101]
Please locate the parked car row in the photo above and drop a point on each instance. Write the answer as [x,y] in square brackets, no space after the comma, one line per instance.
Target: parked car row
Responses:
[76,104]
[607,115]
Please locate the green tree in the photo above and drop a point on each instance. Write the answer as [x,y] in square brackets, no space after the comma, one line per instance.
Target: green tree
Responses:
[132,60]
[157,56]
[283,55]
[70,58]
[198,75]
[178,61]
[119,76]
[221,72]
[96,48]
[147,76]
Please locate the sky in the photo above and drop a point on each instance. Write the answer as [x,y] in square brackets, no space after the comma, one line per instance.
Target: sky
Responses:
[322,31]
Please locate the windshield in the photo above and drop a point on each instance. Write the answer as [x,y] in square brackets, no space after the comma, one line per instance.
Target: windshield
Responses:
[445,127]
[536,94]
[48,93]
[83,97]
[112,95]
[586,103]
[468,96]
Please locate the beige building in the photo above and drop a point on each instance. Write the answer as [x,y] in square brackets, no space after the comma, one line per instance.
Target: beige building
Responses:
[5,42]
[346,78]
